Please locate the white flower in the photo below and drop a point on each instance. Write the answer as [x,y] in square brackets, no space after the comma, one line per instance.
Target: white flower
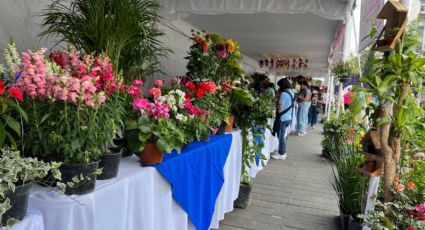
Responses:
[181,117]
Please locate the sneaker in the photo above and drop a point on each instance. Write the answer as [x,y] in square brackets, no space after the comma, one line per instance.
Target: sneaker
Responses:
[313,127]
[302,134]
[283,157]
[277,157]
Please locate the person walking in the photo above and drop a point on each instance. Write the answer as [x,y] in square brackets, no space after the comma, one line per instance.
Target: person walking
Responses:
[283,116]
[304,104]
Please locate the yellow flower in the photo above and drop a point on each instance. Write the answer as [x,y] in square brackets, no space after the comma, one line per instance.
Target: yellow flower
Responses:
[230,45]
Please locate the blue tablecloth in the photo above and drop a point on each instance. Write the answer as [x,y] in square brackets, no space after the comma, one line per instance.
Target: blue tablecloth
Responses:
[196,177]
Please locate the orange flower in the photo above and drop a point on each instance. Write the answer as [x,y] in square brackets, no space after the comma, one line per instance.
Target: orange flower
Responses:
[204,46]
[410,185]
[399,187]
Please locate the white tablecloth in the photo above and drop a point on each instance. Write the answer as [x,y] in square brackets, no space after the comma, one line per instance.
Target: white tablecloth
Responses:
[139,198]
[33,221]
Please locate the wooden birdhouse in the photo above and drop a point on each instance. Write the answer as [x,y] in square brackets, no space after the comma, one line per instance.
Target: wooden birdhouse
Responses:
[395,15]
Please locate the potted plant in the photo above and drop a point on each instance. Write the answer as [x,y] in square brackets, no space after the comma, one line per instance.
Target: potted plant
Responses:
[65,98]
[344,70]
[349,185]
[151,130]
[17,175]
[126,31]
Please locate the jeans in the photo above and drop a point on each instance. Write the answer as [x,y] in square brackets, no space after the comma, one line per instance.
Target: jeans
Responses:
[313,115]
[282,138]
[303,117]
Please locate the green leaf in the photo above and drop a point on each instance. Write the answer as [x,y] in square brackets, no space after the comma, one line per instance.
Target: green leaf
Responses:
[12,123]
[2,135]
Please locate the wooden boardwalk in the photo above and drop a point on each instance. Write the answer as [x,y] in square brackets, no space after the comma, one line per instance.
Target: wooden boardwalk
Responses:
[292,194]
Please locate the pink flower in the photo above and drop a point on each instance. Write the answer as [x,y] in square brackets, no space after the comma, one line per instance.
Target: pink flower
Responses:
[399,187]
[140,103]
[420,208]
[134,91]
[160,110]
[138,83]
[102,98]
[158,83]
[155,92]
[175,81]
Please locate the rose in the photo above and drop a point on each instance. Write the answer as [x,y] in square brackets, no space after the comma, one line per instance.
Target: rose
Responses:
[421,216]
[15,93]
[138,83]
[155,92]
[158,83]
[410,228]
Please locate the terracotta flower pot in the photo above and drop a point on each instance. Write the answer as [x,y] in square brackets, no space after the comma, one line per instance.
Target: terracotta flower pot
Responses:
[151,154]
[229,126]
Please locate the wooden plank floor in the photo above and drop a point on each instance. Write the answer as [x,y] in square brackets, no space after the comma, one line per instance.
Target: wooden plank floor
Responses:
[292,194]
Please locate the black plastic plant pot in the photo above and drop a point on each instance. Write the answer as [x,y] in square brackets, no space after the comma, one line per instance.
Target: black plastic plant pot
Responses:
[109,163]
[244,197]
[344,79]
[84,186]
[354,224]
[345,220]
[19,203]
[222,129]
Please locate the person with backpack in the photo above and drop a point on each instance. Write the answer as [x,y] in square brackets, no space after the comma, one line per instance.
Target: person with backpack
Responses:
[283,116]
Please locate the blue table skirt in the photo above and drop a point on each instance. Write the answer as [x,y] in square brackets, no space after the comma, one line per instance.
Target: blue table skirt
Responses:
[196,177]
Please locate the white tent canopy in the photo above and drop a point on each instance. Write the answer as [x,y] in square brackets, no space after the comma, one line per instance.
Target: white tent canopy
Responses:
[329,9]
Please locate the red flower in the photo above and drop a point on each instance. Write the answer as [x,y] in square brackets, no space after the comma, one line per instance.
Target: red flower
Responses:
[208,86]
[198,40]
[410,228]
[421,216]
[410,185]
[411,212]
[200,93]
[190,86]
[15,93]
[205,47]
[1,87]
